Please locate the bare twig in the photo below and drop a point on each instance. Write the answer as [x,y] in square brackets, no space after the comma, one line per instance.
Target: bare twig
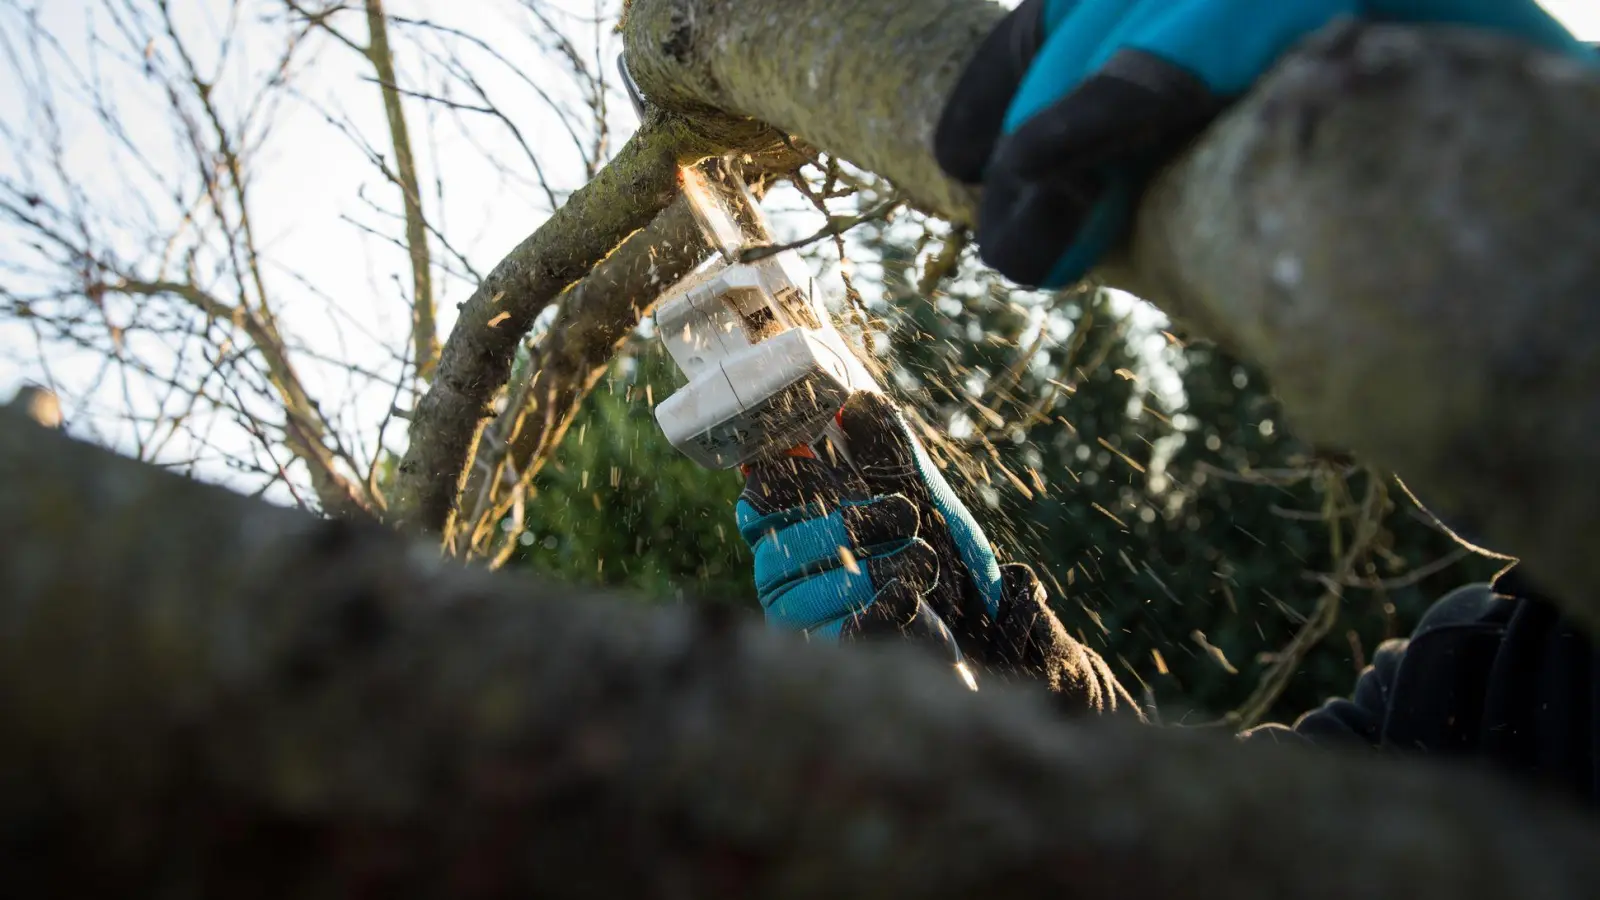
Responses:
[836,227]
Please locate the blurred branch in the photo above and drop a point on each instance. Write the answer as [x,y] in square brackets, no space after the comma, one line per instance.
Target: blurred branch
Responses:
[1368,526]
[298,707]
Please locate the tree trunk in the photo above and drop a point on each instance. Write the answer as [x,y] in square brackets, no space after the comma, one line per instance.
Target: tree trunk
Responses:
[204,695]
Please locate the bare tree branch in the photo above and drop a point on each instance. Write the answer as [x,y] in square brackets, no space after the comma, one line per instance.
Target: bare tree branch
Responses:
[476,361]
[593,318]
[305,429]
[425,336]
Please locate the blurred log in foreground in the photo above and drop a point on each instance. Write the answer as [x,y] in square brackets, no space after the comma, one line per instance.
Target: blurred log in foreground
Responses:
[203,695]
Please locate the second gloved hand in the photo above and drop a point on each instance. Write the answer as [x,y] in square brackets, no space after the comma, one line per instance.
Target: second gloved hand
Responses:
[1069,105]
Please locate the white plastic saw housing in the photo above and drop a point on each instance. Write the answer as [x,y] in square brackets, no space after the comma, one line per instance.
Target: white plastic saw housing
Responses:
[767,369]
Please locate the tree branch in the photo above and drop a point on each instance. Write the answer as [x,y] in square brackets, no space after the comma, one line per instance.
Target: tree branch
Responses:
[593,319]
[305,429]
[250,700]
[1396,225]
[424,333]
[476,360]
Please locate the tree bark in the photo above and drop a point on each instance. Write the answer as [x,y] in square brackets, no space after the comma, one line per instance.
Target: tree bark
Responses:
[476,359]
[593,318]
[1401,226]
[249,701]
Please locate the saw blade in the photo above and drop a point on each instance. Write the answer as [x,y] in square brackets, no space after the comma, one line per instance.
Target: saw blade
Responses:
[728,214]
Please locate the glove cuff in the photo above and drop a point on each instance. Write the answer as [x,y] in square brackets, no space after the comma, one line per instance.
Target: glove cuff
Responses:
[1028,643]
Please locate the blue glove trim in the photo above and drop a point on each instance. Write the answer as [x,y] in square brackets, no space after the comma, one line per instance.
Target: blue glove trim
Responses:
[787,552]
[753,525]
[1063,61]
[1101,232]
[971,543]
[1228,44]
[1055,12]
[824,597]
[828,633]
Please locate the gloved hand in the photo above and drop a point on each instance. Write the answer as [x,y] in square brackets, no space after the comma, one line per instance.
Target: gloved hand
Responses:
[887,548]
[836,559]
[1070,105]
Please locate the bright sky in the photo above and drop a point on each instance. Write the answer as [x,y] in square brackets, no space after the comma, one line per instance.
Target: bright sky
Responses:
[1581,16]
[316,195]
[317,200]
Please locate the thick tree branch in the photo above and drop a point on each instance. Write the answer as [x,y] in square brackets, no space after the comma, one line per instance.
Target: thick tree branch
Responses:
[593,318]
[476,360]
[1399,225]
[248,700]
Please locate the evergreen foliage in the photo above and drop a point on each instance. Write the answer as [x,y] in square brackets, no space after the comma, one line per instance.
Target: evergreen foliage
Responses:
[1182,533]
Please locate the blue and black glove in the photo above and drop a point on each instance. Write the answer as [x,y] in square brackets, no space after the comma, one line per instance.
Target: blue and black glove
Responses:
[884,547]
[833,559]
[1070,105]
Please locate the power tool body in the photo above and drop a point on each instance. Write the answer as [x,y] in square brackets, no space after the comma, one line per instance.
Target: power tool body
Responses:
[766,368]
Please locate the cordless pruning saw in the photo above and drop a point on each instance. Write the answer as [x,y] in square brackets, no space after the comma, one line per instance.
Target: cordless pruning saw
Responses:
[767,370]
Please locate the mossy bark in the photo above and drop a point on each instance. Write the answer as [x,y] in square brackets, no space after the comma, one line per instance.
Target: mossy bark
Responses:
[1400,226]
[592,319]
[204,695]
[476,360]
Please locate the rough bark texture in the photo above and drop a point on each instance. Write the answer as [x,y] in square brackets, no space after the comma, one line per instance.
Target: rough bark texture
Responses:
[863,79]
[476,359]
[1404,232]
[248,701]
[594,317]
[591,321]
[1401,226]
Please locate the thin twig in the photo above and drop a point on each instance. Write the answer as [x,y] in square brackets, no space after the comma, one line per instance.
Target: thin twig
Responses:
[836,226]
